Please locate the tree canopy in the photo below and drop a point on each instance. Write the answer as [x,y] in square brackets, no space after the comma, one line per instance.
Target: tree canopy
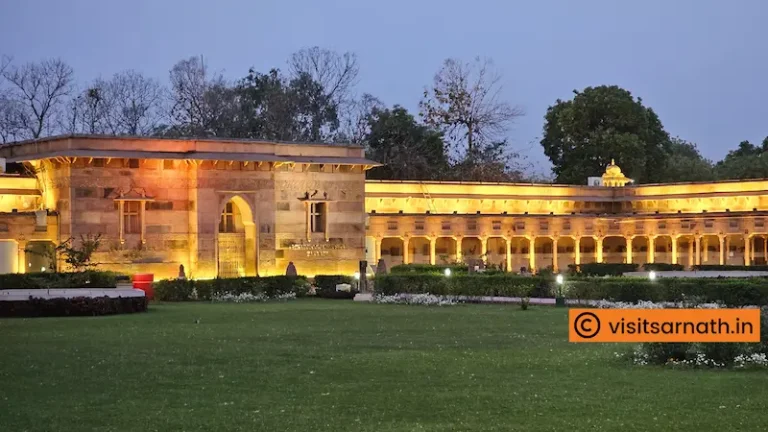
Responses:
[582,135]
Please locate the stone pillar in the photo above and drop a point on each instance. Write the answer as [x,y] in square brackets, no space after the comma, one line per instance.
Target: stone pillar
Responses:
[727,249]
[747,249]
[651,249]
[577,250]
[753,252]
[690,253]
[674,249]
[629,249]
[599,249]
[705,248]
[554,255]
[484,249]
[508,256]
[531,254]
[697,240]
[722,249]
[765,249]
[432,245]
[22,257]
[377,249]
[458,248]
[406,252]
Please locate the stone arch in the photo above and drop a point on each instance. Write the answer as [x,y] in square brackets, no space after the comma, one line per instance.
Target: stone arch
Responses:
[236,239]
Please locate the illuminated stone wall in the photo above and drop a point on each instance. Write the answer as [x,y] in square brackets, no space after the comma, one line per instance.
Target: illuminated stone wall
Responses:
[557,225]
[184,199]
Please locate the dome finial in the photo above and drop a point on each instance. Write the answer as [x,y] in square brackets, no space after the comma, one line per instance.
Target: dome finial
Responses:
[612,162]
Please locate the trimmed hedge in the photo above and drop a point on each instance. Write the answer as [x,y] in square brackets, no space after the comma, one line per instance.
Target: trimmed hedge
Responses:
[78,306]
[428,268]
[503,285]
[329,282]
[85,279]
[602,269]
[185,290]
[732,292]
[333,294]
[663,267]
[716,267]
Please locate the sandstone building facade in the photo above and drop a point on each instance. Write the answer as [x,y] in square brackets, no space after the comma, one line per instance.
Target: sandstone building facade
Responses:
[218,207]
[231,208]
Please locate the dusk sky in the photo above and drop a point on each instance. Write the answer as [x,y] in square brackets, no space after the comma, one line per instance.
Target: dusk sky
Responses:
[701,64]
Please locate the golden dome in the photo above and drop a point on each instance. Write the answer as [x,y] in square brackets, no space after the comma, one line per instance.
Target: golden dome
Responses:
[613,170]
[613,176]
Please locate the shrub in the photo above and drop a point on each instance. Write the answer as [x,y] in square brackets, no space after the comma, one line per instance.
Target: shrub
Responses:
[602,269]
[79,306]
[85,279]
[329,282]
[271,287]
[662,267]
[329,293]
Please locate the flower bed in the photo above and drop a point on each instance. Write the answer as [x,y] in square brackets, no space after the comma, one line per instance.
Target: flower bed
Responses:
[416,299]
[695,354]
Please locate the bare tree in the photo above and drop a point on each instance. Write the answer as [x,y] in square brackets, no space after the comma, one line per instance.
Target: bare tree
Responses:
[324,79]
[190,110]
[89,111]
[336,73]
[40,89]
[464,102]
[354,119]
[133,102]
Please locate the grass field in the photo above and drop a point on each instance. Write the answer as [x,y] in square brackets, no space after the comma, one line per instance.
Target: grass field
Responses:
[330,365]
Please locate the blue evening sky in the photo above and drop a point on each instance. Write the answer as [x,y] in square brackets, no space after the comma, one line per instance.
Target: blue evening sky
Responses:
[701,64]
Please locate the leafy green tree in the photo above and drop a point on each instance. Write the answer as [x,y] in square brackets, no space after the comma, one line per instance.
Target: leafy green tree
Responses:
[747,161]
[582,135]
[408,150]
[685,164]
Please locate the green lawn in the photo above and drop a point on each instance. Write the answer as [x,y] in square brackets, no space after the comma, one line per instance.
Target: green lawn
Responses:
[331,365]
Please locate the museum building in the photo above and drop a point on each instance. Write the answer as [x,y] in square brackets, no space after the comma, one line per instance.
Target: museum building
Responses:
[234,207]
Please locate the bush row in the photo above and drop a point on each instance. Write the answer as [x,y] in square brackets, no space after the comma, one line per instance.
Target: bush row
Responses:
[185,290]
[732,292]
[85,279]
[731,267]
[663,267]
[79,306]
[504,285]
[428,268]
[602,269]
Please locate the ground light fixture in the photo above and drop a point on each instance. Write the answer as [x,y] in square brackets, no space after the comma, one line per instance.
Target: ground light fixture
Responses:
[559,279]
[356,275]
[447,272]
[652,275]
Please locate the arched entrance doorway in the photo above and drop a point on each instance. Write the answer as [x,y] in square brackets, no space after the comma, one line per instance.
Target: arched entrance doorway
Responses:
[236,240]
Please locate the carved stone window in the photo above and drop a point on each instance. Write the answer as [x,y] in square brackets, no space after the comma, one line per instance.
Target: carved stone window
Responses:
[317,214]
[132,216]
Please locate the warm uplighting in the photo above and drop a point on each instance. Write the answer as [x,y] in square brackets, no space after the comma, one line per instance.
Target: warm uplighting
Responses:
[652,275]
[559,279]
[42,269]
[447,272]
